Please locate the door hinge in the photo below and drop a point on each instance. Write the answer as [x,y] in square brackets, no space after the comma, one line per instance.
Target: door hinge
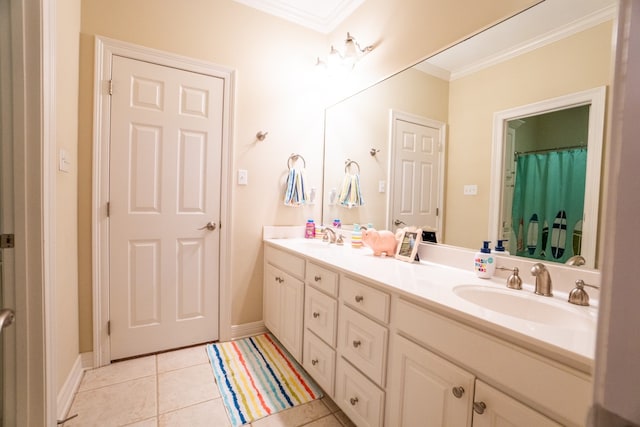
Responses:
[437,211]
[7,241]
[108,209]
[110,87]
[109,327]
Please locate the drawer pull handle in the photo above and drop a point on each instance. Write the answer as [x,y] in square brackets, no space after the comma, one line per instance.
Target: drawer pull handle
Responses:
[479,407]
[359,298]
[457,392]
[317,278]
[316,314]
[314,362]
[353,401]
[356,343]
[279,279]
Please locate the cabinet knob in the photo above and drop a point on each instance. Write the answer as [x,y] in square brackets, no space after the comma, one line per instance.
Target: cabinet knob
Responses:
[317,278]
[479,407]
[359,298]
[356,343]
[279,279]
[353,401]
[457,391]
[314,362]
[316,314]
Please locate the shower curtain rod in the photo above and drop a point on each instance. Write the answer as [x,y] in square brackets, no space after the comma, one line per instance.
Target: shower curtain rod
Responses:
[548,150]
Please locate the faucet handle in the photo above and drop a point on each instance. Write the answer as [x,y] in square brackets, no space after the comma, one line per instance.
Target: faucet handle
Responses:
[578,295]
[514,281]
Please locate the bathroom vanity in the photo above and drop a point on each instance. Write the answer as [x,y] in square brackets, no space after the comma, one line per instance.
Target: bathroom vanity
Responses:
[404,344]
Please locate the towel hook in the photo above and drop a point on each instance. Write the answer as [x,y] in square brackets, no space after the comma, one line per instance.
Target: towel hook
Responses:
[373,152]
[348,163]
[261,135]
[293,158]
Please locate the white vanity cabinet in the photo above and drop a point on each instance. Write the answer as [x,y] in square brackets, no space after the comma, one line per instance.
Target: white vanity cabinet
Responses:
[389,357]
[524,384]
[284,298]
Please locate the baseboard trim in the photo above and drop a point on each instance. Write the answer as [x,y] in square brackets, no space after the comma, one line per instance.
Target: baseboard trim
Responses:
[247,330]
[70,387]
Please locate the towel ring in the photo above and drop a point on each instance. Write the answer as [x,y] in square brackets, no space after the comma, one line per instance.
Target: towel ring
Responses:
[293,158]
[348,163]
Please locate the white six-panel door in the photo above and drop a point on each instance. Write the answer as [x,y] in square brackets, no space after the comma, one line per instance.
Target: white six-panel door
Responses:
[165,160]
[416,179]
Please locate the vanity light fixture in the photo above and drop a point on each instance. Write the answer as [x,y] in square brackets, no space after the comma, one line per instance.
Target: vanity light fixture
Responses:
[347,58]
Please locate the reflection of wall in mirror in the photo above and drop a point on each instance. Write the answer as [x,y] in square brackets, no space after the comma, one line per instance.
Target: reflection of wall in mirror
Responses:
[360,123]
[577,63]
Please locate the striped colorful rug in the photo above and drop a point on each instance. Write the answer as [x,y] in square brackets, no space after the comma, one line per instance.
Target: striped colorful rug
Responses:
[258,377]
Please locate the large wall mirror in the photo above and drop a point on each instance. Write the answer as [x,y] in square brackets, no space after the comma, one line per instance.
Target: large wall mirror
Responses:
[423,139]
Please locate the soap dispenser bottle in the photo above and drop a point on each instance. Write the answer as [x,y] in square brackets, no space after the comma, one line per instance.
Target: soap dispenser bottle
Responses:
[500,249]
[484,264]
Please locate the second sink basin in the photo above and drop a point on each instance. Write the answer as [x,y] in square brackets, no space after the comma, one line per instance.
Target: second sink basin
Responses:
[528,306]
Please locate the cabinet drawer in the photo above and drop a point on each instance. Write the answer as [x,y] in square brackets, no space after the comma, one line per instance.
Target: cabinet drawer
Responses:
[360,399]
[364,343]
[320,314]
[319,361]
[365,299]
[321,278]
[285,261]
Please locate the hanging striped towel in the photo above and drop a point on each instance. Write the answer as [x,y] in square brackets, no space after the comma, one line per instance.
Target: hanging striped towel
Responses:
[296,192]
[350,193]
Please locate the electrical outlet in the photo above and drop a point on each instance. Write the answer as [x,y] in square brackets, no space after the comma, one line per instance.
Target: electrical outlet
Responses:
[470,190]
[381,186]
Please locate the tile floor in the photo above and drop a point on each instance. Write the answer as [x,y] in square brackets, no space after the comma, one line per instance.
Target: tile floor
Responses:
[175,389]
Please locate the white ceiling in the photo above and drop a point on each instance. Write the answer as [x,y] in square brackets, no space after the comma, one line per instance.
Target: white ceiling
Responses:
[544,23]
[319,15]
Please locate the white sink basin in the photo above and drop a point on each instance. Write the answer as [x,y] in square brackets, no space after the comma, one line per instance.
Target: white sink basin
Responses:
[528,306]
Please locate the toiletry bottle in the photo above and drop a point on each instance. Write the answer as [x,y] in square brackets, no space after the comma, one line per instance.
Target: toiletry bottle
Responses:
[310,230]
[337,223]
[356,237]
[319,232]
[484,263]
[500,249]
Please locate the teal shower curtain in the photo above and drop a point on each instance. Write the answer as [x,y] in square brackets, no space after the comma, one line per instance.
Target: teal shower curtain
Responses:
[548,204]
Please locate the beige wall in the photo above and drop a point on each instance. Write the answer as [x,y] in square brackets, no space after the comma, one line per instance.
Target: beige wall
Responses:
[577,63]
[276,91]
[66,197]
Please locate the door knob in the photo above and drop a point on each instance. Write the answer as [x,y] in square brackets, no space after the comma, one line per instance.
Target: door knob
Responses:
[210,226]
[397,222]
[6,318]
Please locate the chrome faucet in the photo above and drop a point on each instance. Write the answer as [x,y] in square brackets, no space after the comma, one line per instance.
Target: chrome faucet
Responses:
[327,238]
[543,279]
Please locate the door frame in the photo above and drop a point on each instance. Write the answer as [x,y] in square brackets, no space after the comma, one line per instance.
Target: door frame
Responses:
[105,49]
[394,116]
[33,205]
[596,98]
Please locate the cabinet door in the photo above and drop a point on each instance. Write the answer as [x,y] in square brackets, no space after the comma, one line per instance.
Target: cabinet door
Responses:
[290,307]
[492,408]
[427,390]
[271,298]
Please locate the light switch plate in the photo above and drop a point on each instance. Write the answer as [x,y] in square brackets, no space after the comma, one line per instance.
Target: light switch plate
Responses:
[243,177]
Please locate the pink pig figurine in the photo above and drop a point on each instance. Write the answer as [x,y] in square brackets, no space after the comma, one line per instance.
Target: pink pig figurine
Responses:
[379,241]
